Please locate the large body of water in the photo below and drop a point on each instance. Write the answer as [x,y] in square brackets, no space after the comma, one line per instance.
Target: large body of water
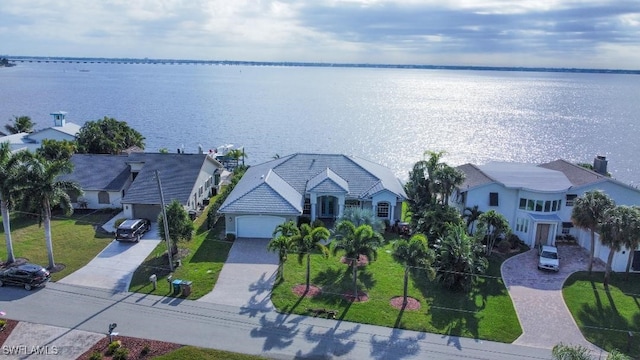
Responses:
[390,116]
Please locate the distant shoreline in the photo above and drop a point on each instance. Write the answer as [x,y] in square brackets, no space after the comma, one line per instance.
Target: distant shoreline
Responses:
[13,60]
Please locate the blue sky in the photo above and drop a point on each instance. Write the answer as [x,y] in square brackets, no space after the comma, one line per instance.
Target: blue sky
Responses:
[545,33]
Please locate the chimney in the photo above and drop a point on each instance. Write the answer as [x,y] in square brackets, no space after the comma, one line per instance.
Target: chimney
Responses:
[58,118]
[600,165]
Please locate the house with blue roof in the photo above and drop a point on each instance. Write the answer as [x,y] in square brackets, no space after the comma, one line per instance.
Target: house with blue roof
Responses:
[129,181]
[537,200]
[318,186]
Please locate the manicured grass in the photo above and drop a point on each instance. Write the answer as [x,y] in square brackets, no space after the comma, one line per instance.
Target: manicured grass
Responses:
[606,317]
[195,353]
[485,312]
[75,240]
[205,256]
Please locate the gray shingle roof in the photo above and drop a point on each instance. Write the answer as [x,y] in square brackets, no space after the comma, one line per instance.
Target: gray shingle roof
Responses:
[357,177]
[473,177]
[99,172]
[577,174]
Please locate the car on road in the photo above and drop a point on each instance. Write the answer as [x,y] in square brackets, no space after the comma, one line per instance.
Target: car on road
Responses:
[548,258]
[132,229]
[25,275]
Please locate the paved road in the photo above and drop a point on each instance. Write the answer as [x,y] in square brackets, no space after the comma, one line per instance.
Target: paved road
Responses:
[537,297]
[113,267]
[240,329]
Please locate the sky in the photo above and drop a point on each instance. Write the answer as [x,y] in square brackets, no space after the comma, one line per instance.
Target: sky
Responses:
[529,33]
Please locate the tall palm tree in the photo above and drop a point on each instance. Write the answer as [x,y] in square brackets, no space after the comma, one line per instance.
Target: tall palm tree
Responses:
[471,214]
[20,124]
[354,242]
[633,241]
[287,229]
[282,245]
[447,178]
[614,230]
[310,240]
[414,253]
[588,211]
[496,224]
[8,166]
[39,183]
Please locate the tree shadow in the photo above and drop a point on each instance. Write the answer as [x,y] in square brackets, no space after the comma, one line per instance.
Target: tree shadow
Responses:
[212,250]
[260,301]
[396,346]
[277,334]
[329,343]
[603,326]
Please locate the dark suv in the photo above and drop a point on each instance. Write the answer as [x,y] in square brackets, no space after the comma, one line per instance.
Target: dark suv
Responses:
[27,275]
[132,230]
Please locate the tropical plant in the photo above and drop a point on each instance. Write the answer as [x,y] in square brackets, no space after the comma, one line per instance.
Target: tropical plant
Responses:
[579,352]
[414,254]
[179,224]
[9,164]
[308,241]
[287,229]
[38,184]
[56,149]
[633,241]
[446,179]
[355,241]
[616,227]
[496,225]
[107,136]
[459,257]
[282,245]
[471,214]
[588,211]
[434,220]
[237,154]
[20,124]
[359,216]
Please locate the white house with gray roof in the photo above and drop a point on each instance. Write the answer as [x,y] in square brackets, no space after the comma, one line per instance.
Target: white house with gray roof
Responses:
[319,186]
[61,130]
[129,181]
[537,200]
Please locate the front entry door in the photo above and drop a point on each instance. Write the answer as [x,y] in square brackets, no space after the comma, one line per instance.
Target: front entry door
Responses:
[542,234]
[327,206]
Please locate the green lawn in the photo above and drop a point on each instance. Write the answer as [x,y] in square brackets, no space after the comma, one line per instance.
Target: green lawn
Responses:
[605,318]
[195,353]
[203,258]
[75,240]
[486,312]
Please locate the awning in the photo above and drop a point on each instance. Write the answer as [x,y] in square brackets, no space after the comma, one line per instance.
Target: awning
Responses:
[545,217]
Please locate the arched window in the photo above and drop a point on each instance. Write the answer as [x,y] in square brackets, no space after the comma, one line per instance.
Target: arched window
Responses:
[103,197]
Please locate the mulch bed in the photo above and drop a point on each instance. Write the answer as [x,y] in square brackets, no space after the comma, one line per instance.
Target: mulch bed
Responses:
[412,304]
[313,290]
[135,347]
[363,260]
[7,329]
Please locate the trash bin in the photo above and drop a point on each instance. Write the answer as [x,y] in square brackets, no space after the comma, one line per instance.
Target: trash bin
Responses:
[186,287]
[176,286]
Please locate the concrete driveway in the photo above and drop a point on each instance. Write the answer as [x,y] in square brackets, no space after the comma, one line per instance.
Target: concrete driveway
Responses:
[537,297]
[247,276]
[113,267]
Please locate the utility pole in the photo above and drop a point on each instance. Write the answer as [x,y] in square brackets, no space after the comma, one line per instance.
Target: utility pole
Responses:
[167,239]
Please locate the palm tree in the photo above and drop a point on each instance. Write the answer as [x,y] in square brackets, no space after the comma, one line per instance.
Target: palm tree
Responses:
[459,257]
[282,245]
[447,179]
[615,228]
[38,183]
[496,225]
[20,124]
[310,240]
[354,242]
[579,352]
[8,165]
[588,211]
[471,214]
[360,216]
[287,229]
[413,254]
[633,241]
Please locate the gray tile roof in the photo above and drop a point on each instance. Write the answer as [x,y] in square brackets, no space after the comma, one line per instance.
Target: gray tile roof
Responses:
[99,172]
[473,177]
[357,176]
[577,175]
[270,191]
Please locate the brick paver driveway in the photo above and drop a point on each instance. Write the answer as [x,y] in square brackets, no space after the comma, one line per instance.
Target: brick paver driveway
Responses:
[537,297]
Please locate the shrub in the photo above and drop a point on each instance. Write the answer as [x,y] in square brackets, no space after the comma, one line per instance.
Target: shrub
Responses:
[2,323]
[304,220]
[515,241]
[231,237]
[95,356]
[121,354]
[113,346]
[317,223]
[503,246]
[145,350]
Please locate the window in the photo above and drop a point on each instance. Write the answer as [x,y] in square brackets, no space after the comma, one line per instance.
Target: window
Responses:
[571,198]
[539,204]
[547,206]
[351,204]
[531,205]
[566,227]
[307,207]
[523,203]
[103,197]
[554,205]
[522,225]
[493,199]
[200,191]
[383,210]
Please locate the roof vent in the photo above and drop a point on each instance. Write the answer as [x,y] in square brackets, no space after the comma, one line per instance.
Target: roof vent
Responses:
[600,164]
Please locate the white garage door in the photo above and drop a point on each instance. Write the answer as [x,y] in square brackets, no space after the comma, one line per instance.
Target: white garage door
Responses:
[252,226]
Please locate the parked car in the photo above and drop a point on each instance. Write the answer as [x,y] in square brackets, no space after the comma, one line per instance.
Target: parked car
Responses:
[26,275]
[548,258]
[132,230]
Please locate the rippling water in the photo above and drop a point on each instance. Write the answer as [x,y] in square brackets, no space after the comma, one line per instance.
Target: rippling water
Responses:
[390,116]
